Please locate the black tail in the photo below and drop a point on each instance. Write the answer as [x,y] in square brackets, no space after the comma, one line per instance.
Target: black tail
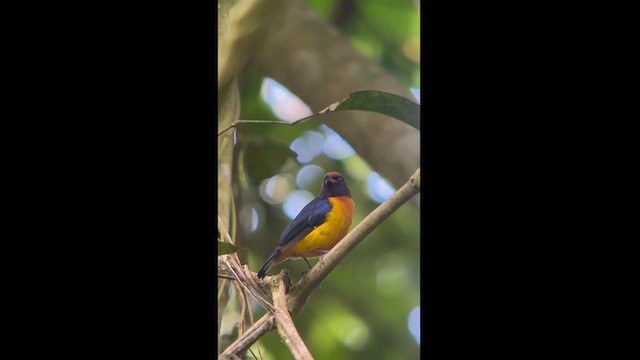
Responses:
[268,264]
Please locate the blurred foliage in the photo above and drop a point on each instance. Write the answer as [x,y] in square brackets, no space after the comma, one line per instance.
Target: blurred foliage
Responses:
[361,311]
[226,248]
[387,32]
[263,158]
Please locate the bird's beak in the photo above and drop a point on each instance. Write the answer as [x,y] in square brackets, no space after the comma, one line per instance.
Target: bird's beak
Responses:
[332,180]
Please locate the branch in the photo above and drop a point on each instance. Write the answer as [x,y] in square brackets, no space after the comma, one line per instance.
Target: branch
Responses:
[228,111]
[223,286]
[299,293]
[253,334]
[247,280]
[237,122]
[286,327]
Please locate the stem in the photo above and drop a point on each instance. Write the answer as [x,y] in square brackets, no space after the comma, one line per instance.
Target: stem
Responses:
[265,324]
[237,122]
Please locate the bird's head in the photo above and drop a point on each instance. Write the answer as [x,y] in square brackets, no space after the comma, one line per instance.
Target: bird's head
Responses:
[334,185]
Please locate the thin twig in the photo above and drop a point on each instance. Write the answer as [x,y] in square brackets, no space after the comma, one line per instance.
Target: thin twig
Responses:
[257,342]
[223,284]
[265,324]
[254,355]
[229,277]
[223,229]
[237,122]
[243,306]
[289,123]
[244,277]
[229,357]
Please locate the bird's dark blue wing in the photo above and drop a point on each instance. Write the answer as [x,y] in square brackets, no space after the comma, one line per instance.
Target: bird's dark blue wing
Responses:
[312,215]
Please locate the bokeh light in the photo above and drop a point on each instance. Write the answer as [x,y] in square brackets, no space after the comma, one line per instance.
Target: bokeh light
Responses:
[341,326]
[411,48]
[392,280]
[355,332]
[295,201]
[274,189]
[379,189]
[414,323]
[416,93]
[249,218]
[308,146]
[284,104]
[335,146]
[357,168]
[309,176]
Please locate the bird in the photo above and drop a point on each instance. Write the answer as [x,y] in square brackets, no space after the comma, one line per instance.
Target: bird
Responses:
[319,226]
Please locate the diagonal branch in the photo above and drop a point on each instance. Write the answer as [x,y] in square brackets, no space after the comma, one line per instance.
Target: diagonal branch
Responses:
[265,324]
[298,295]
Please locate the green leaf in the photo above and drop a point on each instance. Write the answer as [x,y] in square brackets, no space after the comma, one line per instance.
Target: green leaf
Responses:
[226,248]
[263,158]
[379,102]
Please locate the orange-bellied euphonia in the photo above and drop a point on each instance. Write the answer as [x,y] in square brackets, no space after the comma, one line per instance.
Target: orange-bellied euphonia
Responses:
[318,227]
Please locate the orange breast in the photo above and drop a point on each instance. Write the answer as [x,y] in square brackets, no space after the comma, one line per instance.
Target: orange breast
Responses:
[324,237]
